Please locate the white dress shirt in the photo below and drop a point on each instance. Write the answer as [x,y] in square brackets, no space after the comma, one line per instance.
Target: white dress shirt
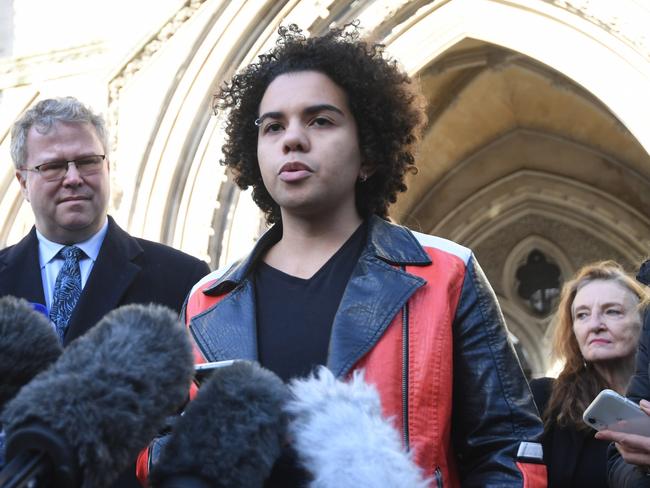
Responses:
[51,263]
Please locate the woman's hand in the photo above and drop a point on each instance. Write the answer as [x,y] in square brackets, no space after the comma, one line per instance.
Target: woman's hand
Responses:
[635,449]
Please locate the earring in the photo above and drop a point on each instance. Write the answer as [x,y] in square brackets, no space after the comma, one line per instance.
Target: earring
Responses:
[363,177]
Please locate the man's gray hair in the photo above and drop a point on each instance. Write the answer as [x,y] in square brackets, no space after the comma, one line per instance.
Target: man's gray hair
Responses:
[44,115]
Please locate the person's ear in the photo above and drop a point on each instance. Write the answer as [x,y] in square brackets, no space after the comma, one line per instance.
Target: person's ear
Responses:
[23,184]
[365,172]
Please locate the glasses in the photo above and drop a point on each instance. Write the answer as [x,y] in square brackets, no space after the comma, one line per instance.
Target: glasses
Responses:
[56,170]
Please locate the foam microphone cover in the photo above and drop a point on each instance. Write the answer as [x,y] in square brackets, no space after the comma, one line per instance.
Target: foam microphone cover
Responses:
[28,345]
[110,392]
[231,434]
[343,440]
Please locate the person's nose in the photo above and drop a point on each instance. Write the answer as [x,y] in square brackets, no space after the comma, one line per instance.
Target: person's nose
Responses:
[295,139]
[596,321]
[72,176]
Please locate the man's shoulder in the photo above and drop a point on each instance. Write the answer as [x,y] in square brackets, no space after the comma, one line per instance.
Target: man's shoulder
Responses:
[6,251]
[6,255]
[132,245]
[157,249]
[19,248]
[174,260]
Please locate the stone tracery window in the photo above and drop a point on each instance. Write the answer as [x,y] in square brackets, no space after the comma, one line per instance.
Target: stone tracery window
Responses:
[539,283]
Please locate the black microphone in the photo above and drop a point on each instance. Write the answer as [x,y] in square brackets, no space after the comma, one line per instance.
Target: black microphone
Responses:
[230,435]
[83,421]
[28,345]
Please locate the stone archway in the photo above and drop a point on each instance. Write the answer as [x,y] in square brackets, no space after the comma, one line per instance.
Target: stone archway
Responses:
[538,125]
[521,140]
[451,38]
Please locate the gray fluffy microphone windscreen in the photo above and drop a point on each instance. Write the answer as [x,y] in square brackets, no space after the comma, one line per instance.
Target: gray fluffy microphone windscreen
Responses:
[28,345]
[231,434]
[342,438]
[111,390]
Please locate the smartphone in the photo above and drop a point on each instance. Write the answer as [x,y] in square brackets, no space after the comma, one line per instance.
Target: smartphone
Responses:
[609,410]
[204,370]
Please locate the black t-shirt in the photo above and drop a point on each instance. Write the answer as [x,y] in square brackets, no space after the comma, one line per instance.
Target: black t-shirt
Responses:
[294,322]
[295,316]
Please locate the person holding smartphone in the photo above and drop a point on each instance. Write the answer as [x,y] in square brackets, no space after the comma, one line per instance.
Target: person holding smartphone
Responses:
[629,455]
[596,331]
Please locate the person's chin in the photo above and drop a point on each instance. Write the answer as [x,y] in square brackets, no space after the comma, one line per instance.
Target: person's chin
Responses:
[76,225]
[603,356]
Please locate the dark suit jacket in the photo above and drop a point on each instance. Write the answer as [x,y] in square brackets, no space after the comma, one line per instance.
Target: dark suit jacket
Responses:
[127,270]
[573,458]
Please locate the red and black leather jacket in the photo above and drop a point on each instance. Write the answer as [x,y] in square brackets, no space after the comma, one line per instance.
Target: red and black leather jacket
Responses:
[420,317]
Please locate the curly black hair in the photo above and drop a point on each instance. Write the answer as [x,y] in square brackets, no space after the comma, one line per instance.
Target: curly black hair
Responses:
[388,112]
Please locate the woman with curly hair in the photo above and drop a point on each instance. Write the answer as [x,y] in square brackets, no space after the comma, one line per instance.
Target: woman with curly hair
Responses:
[323,129]
[596,332]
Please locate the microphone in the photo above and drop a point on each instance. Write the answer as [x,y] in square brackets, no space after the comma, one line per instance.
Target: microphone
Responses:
[28,345]
[230,435]
[341,437]
[83,421]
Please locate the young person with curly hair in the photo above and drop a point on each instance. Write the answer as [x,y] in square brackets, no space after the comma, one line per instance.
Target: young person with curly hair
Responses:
[323,130]
[596,332]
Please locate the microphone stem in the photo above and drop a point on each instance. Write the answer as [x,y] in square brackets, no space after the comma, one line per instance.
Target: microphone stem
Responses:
[24,471]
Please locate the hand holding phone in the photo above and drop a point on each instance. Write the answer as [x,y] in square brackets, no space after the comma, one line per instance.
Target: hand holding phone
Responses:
[611,411]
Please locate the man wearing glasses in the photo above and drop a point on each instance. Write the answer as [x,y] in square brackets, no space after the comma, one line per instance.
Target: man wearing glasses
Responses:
[76,262]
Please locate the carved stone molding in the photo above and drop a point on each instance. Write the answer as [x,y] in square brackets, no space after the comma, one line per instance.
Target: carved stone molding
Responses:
[563,199]
[56,64]
[141,57]
[624,19]
[149,48]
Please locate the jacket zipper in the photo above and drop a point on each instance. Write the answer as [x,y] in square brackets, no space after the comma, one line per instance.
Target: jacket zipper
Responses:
[437,475]
[405,375]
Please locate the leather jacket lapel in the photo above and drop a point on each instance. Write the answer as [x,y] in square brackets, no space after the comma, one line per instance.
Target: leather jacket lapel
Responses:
[377,290]
[374,295]
[228,330]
